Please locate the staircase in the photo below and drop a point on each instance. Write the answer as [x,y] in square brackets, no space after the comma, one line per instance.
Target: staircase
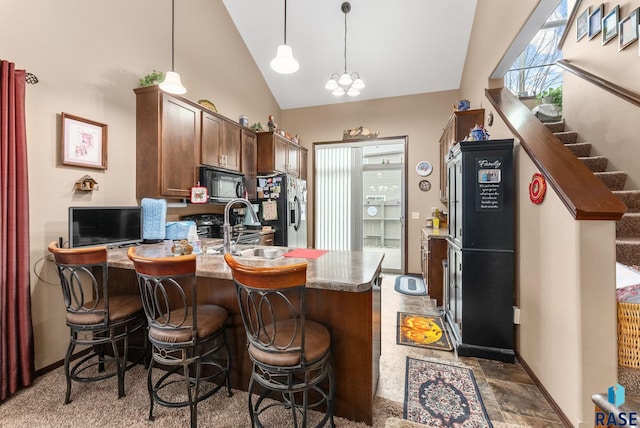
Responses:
[628,227]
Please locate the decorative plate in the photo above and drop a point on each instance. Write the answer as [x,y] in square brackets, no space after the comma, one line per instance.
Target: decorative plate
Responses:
[424,185]
[372,211]
[424,168]
[537,188]
[208,104]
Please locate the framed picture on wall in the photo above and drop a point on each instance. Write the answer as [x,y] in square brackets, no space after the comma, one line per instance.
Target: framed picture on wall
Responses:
[582,24]
[83,142]
[610,25]
[628,29]
[595,21]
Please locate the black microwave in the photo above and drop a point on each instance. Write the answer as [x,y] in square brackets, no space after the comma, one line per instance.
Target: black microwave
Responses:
[223,185]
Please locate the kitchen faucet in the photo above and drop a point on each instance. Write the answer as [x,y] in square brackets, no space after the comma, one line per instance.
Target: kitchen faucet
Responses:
[226,227]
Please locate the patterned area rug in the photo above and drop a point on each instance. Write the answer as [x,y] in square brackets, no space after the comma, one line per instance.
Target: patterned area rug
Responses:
[411,285]
[424,331]
[443,395]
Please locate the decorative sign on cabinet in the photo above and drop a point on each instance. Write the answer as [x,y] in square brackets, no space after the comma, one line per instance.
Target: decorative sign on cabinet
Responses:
[479,281]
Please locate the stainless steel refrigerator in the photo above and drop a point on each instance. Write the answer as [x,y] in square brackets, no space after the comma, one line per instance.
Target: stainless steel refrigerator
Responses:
[282,204]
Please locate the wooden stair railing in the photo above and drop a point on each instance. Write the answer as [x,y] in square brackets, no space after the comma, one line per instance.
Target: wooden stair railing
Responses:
[616,90]
[584,195]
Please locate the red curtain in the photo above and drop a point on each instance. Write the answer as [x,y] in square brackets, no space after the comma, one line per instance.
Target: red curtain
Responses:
[16,333]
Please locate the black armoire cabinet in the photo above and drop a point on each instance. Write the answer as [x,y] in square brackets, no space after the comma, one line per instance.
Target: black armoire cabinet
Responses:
[480,274]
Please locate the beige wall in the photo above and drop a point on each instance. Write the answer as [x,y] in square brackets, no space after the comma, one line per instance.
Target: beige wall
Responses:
[88,57]
[419,117]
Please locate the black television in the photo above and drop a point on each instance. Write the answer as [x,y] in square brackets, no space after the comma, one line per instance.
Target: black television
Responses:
[112,226]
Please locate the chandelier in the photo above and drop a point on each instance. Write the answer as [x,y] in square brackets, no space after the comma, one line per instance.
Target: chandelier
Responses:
[346,83]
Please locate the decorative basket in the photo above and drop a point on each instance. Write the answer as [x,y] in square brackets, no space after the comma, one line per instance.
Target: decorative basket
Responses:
[629,335]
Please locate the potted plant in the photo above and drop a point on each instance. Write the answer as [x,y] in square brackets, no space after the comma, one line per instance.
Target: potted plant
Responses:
[551,96]
[153,78]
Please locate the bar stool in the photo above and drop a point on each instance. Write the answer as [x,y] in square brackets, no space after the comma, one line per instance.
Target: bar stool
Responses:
[187,338]
[291,354]
[94,317]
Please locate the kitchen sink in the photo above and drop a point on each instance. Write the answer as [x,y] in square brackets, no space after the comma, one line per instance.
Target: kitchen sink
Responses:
[262,253]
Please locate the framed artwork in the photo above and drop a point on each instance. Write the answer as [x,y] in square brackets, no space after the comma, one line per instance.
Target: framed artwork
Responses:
[582,24]
[83,142]
[610,25]
[628,29]
[595,21]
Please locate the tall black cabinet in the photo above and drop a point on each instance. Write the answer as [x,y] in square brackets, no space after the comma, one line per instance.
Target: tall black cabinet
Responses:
[480,274]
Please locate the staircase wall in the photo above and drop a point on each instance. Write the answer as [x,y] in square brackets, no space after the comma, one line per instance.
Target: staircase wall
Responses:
[565,268]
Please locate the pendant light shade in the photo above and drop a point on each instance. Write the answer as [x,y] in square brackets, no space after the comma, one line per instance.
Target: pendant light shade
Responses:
[171,82]
[284,62]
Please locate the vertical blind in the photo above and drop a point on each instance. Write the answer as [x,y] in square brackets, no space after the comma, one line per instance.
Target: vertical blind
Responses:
[333,198]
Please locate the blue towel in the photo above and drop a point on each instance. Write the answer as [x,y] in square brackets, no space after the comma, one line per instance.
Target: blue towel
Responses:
[154,214]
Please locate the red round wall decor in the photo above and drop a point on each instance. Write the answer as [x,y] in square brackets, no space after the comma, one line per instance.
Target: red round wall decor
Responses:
[537,188]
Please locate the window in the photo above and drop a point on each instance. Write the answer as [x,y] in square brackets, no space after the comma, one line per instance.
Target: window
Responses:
[535,69]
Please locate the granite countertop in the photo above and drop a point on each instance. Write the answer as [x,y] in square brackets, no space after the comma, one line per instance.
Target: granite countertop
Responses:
[352,271]
[438,232]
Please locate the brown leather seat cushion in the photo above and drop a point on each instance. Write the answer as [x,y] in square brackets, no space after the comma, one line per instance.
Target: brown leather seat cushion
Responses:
[317,343]
[211,318]
[120,308]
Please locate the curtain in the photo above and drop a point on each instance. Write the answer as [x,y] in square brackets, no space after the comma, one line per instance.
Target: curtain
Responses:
[16,333]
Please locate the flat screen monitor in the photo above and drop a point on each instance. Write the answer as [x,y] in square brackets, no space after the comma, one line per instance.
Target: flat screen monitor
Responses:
[112,226]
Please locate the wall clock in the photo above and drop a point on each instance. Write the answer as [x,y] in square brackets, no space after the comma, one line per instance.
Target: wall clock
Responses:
[424,168]
[372,211]
[424,185]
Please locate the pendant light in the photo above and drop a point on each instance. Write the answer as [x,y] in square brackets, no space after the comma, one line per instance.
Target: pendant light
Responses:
[171,82]
[284,62]
[345,83]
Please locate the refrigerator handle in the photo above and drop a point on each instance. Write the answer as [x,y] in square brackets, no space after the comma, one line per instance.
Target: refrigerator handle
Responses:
[298,209]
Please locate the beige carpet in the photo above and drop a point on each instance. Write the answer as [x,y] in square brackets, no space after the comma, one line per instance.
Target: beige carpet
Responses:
[96,405]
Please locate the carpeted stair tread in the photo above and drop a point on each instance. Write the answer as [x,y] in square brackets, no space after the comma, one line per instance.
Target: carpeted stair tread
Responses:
[628,251]
[595,163]
[580,149]
[631,198]
[567,137]
[614,180]
[555,126]
[628,226]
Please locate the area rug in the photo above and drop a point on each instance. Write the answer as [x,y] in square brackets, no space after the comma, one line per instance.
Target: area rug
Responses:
[438,394]
[411,285]
[424,331]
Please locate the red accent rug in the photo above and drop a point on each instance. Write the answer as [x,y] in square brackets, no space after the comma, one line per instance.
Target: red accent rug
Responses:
[424,331]
[443,395]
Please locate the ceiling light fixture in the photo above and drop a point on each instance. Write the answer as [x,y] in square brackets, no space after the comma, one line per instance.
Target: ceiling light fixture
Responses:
[346,83]
[284,62]
[171,82]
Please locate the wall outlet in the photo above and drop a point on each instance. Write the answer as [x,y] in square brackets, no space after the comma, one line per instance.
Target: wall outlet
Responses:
[516,315]
[415,215]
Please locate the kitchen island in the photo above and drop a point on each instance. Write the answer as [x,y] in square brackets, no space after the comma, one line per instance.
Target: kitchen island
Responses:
[343,293]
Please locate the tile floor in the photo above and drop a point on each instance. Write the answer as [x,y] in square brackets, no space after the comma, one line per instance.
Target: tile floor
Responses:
[509,395]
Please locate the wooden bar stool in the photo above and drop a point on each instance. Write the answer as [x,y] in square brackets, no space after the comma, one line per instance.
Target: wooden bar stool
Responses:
[94,317]
[186,337]
[291,354]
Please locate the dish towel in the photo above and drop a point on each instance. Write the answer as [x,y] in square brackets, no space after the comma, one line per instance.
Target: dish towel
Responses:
[154,215]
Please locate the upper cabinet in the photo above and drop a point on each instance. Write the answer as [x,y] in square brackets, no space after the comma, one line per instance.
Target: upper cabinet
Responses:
[278,154]
[249,165]
[458,127]
[167,145]
[174,136]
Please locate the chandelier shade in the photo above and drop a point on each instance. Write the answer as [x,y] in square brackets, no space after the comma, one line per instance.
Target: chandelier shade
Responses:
[345,83]
[284,62]
[171,82]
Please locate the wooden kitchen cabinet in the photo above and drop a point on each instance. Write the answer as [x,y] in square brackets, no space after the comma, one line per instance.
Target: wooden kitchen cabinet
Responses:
[249,162]
[267,238]
[434,251]
[167,144]
[457,129]
[221,142]
[303,162]
[278,154]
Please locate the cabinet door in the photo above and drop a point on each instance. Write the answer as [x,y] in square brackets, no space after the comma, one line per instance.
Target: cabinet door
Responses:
[180,138]
[211,137]
[303,163]
[293,160]
[230,148]
[280,153]
[249,166]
